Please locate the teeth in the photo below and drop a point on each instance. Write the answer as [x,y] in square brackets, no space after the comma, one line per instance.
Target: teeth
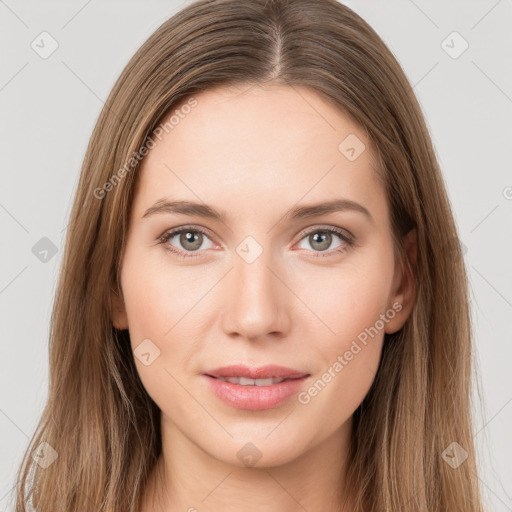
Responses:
[251,382]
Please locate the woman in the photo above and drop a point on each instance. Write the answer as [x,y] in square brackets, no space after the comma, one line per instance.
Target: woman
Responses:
[263,303]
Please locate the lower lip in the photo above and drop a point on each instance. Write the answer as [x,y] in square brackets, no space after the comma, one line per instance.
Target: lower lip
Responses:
[254,398]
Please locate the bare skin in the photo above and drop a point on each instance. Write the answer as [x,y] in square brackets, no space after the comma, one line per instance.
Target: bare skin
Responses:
[254,153]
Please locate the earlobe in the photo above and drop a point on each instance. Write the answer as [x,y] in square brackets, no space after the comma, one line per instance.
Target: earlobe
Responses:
[404,292]
[119,316]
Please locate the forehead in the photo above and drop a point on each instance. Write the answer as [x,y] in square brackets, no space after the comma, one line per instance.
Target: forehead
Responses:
[256,145]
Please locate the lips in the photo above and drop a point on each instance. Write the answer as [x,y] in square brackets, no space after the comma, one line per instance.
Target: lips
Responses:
[255,393]
[270,371]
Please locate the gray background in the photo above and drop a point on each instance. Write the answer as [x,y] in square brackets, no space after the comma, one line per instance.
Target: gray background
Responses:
[49,107]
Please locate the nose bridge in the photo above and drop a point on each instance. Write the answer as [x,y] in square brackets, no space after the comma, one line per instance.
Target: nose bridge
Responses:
[257,301]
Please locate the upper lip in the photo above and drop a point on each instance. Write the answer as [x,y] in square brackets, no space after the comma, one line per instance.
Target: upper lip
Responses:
[256,372]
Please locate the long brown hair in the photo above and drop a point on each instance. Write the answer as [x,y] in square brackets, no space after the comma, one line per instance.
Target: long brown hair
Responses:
[99,420]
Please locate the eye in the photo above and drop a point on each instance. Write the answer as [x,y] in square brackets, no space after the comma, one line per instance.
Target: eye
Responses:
[190,239]
[186,242]
[321,239]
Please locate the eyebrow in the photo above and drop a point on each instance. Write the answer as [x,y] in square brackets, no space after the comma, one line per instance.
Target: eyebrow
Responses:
[298,212]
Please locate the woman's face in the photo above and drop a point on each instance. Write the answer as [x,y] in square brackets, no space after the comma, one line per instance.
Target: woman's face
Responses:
[271,281]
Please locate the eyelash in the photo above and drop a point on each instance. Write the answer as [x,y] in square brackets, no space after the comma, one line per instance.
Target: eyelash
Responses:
[347,239]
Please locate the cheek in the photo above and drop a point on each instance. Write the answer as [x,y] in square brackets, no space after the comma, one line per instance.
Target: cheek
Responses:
[162,307]
[350,357]
[152,308]
[155,297]
[346,299]
[352,303]
[146,310]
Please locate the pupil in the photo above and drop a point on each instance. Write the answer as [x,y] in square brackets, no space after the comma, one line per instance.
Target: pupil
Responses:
[190,237]
[324,236]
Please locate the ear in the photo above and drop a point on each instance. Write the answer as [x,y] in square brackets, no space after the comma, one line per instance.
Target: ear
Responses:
[119,316]
[404,287]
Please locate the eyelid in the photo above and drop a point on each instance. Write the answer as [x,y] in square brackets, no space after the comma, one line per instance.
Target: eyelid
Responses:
[191,227]
[305,231]
[327,227]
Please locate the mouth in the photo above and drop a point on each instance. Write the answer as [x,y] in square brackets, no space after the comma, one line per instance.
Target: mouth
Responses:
[244,381]
[255,393]
[255,375]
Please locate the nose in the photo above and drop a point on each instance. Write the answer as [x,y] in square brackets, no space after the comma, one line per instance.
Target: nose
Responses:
[258,303]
